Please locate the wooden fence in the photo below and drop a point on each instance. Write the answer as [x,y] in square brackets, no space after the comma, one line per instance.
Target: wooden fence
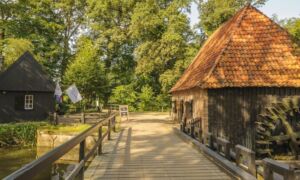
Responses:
[35,167]
[243,157]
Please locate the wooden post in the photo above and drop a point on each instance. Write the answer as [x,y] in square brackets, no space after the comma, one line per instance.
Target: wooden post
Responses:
[114,123]
[210,139]
[100,137]
[81,157]
[267,172]
[82,117]
[249,154]
[55,118]
[200,135]
[108,129]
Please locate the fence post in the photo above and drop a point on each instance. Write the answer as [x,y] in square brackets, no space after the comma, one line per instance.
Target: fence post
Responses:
[210,140]
[114,123]
[81,157]
[100,137]
[55,118]
[82,117]
[192,128]
[108,129]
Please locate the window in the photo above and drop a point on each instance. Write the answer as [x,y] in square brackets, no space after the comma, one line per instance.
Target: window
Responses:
[28,103]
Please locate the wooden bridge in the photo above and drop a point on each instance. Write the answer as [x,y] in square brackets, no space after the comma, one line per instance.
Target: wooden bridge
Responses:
[147,148]
[150,146]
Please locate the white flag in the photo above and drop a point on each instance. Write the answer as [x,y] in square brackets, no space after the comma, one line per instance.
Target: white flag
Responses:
[74,94]
[57,91]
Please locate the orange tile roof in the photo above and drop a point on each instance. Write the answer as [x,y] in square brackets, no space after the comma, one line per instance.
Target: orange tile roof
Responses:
[249,50]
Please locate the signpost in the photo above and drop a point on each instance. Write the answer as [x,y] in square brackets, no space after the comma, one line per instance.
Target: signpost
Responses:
[124,113]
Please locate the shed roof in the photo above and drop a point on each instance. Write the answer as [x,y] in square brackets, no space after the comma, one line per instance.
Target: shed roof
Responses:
[26,74]
[249,50]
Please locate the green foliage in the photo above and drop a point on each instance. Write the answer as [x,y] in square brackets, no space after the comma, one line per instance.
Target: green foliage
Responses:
[215,12]
[25,133]
[164,37]
[124,94]
[18,134]
[146,99]
[293,26]
[14,49]
[87,71]
[51,27]
[110,20]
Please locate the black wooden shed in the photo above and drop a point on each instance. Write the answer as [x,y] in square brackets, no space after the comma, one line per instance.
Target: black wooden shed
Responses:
[26,91]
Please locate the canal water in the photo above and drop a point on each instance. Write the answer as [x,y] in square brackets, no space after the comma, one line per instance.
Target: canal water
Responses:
[12,159]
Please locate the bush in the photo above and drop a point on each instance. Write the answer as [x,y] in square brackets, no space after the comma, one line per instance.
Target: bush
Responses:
[124,94]
[19,134]
[146,98]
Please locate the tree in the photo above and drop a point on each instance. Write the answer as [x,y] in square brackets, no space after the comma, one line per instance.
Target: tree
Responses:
[13,49]
[51,28]
[109,23]
[163,35]
[146,98]
[87,71]
[293,26]
[213,13]
[124,94]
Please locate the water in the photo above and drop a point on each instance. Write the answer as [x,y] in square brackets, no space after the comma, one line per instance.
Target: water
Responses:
[12,159]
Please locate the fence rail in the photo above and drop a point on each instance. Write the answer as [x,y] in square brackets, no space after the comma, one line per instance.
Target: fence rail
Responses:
[38,165]
[243,157]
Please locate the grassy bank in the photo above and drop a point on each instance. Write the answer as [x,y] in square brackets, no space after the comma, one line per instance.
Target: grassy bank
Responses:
[24,134]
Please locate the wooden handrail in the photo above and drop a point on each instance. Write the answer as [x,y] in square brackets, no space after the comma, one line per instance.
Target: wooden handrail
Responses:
[30,170]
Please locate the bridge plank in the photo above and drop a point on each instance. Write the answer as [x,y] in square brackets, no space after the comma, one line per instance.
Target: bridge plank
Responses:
[148,149]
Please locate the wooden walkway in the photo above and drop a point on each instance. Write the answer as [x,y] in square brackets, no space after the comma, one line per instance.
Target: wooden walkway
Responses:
[147,148]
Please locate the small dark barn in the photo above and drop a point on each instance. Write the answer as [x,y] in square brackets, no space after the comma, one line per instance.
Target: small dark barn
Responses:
[246,66]
[26,91]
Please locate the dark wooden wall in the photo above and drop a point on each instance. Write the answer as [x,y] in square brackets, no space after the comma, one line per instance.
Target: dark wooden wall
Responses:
[233,111]
[43,104]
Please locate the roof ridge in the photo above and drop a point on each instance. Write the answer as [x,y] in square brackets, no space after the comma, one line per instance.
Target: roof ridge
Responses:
[18,61]
[243,14]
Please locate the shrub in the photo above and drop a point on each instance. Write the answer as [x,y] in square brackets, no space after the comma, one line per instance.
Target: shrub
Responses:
[19,134]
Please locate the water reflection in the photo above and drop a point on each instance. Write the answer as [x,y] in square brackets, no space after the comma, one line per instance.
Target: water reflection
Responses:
[12,159]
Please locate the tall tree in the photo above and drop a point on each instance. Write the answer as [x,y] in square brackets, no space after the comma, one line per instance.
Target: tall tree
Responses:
[164,38]
[7,11]
[49,26]
[213,13]
[87,71]
[109,22]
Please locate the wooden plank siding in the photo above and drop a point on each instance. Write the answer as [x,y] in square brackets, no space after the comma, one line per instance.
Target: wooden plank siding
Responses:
[232,112]
[200,102]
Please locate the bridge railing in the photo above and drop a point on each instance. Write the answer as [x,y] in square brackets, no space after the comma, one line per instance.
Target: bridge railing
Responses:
[245,159]
[273,168]
[35,167]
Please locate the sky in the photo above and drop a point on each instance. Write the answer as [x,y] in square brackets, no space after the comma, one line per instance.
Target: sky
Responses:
[283,8]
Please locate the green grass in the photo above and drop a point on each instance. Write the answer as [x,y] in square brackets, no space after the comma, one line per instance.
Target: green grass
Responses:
[64,129]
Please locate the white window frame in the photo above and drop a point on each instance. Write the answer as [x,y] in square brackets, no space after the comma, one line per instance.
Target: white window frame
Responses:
[28,102]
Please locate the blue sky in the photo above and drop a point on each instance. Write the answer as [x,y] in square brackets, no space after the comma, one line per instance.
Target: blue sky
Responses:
[283,8]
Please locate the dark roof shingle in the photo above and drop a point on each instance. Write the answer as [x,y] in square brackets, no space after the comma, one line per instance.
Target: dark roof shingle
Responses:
[26,74]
